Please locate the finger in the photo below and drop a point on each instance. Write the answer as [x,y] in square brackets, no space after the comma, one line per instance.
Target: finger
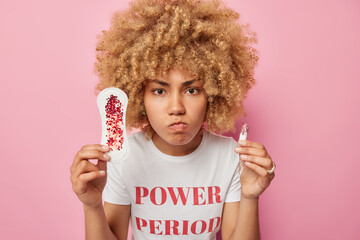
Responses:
[102,165]
[99,147]
[251,151]
[272,176]
[86,154]
[256,168]
[82,181]
[83,167]
[104,148]
[251,144]
[262,162]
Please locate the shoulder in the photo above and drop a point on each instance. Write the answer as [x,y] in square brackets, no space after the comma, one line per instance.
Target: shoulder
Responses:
[135,143]
[223,148]
[137,138]
[219,140]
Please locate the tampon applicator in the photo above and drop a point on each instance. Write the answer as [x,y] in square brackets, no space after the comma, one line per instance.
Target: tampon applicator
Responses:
[243,136]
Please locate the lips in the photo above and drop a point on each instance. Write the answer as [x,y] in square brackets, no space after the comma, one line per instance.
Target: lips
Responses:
[178,126]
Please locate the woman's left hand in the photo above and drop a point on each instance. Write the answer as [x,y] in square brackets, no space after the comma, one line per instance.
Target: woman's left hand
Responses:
[255,177]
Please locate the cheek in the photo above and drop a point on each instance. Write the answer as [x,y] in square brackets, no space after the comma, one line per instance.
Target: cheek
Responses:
[203,105]
[153,113]
[148,103]
[199,110]
[153,109]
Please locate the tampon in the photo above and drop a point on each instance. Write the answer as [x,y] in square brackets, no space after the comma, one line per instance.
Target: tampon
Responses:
[243,136]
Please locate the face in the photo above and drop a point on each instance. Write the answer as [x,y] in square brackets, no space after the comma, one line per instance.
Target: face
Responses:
[175,106]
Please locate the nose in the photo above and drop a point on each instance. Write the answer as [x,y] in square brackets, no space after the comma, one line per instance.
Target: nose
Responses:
[176,105]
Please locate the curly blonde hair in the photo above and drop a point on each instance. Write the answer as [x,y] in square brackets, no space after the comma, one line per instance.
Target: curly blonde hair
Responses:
[201,37]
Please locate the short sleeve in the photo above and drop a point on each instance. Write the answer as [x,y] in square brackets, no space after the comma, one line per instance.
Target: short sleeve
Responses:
[115,190]
[234,192]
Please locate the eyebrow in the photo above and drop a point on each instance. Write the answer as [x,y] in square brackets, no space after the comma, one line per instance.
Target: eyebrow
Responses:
[162,83]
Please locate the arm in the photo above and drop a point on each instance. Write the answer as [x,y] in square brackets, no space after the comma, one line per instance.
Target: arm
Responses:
[240,220]
[108,222]
[96,225]
[118,217]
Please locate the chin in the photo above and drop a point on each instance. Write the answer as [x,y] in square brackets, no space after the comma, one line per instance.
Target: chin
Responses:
[179,139]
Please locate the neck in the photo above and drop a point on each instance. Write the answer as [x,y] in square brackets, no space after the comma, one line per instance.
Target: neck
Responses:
[177,150]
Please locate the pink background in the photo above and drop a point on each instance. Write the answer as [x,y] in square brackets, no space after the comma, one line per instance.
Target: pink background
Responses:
[303,109]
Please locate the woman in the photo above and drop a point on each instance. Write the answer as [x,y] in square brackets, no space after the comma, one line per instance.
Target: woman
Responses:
[186,67]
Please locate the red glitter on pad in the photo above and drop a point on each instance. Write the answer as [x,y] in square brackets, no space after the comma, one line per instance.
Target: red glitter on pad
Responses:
[114,123]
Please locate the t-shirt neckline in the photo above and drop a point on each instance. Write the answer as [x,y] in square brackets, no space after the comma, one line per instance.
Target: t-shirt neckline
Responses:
[180,159]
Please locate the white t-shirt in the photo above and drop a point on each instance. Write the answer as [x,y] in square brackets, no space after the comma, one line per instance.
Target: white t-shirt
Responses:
[175,197]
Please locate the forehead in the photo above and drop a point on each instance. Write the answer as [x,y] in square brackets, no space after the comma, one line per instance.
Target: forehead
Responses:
[175,76]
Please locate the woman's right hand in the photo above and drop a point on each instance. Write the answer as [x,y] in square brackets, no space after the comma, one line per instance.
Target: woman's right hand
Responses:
[88,179]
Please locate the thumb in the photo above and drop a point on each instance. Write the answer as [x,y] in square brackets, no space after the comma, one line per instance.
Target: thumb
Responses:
[102,165]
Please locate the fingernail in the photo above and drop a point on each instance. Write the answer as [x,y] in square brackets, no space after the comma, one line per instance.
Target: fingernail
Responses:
[248,163]
[238,149]
[102,172]
[243,156]
[105,147]
[106,156]
[242,142]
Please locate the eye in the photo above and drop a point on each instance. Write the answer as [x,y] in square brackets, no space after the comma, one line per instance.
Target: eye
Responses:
[192,91]
[158,91]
